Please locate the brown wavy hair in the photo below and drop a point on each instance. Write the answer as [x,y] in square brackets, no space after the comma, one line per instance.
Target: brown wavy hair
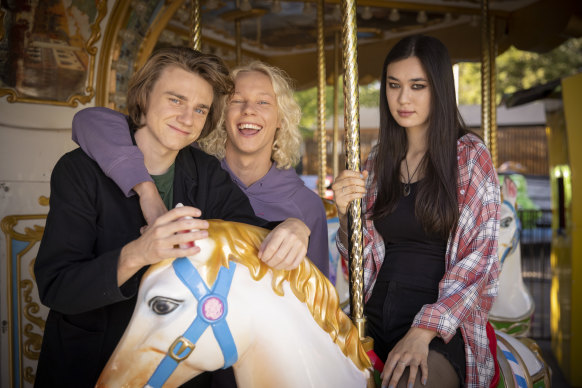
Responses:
[210,67]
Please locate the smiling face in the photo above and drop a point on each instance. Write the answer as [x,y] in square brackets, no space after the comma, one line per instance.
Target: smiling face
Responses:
[178,106]
[408,93]
[252,116]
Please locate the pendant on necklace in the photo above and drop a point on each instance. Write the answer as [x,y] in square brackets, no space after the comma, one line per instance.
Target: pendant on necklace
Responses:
[406,190]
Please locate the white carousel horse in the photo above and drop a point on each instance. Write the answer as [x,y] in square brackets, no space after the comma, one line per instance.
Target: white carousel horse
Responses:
[514,306]
[224,307]
[338,272]
[276,328]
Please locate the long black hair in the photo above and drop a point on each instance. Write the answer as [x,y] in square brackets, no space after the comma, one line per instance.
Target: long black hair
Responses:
[436,205]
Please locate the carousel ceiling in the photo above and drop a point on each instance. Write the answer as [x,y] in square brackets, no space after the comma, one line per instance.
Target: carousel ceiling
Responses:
[283,33]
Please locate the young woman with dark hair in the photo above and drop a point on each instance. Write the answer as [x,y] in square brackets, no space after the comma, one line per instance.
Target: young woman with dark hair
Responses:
[431,202]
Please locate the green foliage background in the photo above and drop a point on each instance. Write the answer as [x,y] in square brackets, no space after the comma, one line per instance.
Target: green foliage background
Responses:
[516,70]
[307,99]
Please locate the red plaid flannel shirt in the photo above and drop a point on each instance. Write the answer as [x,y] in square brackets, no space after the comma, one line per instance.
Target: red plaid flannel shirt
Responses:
[469,286]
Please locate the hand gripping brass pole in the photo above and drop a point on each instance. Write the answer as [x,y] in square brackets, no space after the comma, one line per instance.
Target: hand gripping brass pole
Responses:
[352,124]
[321,100]
[195,28]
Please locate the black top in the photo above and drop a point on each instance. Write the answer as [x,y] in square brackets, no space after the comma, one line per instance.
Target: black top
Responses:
[89,221]
[412,256]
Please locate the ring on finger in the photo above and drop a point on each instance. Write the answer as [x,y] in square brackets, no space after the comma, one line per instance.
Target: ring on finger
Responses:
[402,362]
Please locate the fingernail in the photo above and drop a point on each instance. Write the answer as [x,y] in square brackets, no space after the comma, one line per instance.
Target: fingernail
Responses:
[410,385]
[424,381]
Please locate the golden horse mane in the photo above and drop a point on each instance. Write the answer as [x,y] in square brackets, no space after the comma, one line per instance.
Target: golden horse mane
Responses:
[240,243]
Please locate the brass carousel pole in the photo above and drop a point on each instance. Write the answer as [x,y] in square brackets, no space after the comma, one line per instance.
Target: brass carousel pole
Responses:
[493,91]
[321,100]
[195,28]
[335,153]
[352,124]
[485,74]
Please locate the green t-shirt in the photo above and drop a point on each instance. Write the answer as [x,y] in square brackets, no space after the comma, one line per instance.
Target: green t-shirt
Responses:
[165,186]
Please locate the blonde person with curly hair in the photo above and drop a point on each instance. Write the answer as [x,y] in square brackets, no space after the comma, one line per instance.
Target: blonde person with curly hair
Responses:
[257,140]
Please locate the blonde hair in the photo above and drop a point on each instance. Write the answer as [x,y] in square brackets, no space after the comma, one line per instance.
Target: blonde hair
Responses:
[286,147]
[308,284]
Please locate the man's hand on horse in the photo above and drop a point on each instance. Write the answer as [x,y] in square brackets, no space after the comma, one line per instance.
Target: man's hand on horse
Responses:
[286,246]
[171,235]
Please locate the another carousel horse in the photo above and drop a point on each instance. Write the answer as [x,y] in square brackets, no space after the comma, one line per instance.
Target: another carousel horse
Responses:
[224,307]
[338,271]
[514,306]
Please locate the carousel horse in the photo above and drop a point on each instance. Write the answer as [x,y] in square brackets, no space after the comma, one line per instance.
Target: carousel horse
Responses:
[338,271]
[512,310]
[275,328]
[224,307]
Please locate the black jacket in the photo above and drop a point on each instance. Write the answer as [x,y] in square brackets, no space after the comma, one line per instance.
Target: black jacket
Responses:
[89,221]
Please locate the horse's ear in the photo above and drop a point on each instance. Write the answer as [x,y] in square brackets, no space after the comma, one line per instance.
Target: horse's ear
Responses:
[509,191]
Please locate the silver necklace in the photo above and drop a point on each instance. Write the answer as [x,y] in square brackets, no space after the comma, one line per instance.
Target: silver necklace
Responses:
[406,190]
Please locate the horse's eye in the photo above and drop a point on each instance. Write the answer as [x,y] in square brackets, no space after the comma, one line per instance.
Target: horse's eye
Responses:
[505,222]
[163,306]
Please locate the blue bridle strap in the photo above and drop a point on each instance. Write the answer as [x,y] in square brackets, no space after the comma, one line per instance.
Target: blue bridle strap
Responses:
[515,238]
[184,345]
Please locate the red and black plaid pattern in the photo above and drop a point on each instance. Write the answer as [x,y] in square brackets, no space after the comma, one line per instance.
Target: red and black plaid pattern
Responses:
[469,286]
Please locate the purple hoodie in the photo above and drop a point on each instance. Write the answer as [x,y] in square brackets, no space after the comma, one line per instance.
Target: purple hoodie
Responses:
[103,134]
[281,194]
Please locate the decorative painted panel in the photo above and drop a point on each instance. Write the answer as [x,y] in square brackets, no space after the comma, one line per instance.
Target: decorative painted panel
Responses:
[26,315]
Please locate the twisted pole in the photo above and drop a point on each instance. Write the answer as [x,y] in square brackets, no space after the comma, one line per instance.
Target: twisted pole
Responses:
[352,126]
[493,91]
[321,100]
[485,74]
[195,26]
[336,60]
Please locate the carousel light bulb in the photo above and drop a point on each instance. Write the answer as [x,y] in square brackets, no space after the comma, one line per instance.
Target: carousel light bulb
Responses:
[421,18]
[246,5]
[367,13]
[394,15]
[276,8]
[448,17]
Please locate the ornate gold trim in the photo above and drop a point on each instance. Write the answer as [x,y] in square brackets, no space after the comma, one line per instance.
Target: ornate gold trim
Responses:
[28,348]
[119,16]
[150,40]
[546,372]
[14,96]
